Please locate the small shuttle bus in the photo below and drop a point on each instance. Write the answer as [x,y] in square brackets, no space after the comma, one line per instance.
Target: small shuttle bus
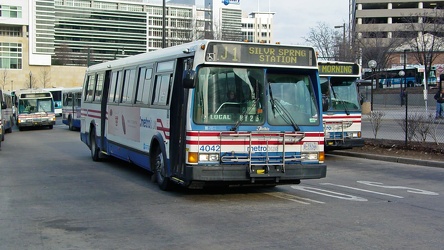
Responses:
[209,113]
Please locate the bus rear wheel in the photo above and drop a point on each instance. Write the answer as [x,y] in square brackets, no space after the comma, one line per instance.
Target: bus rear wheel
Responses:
[70,124]
[94,149]
[159,166]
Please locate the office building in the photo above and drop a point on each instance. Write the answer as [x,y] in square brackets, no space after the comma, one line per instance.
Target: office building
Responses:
[258,27]
[37,34]
[389,18]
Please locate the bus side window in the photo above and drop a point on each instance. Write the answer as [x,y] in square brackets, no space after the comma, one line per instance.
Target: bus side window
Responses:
[114,90]
[161,91]
[143,86]
[99,87]
[129,85]
[90,88]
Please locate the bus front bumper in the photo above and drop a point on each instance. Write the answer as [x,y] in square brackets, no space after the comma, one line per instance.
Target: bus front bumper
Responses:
[344,144]
[240,174]
[35,123]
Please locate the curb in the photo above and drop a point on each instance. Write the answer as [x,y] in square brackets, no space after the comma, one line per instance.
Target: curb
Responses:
[426,163]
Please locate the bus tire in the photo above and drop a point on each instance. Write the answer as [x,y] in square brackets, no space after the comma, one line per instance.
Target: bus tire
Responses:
[95,151]
[159,164]
[70,125]
[9,130]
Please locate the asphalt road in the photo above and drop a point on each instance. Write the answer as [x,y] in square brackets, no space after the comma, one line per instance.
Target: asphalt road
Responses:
[53,196]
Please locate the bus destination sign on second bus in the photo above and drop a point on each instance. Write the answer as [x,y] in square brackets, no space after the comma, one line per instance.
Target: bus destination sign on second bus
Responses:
[338,69]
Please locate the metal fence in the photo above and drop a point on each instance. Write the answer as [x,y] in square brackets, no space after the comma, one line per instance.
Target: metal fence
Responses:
[390,113]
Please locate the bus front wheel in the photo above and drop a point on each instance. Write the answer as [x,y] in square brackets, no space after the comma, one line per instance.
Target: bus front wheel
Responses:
[94,149]
[159,167]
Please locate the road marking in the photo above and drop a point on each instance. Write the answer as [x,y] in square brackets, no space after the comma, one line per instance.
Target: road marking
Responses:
[329,193]
[410,190]
[294,198]
[363,190]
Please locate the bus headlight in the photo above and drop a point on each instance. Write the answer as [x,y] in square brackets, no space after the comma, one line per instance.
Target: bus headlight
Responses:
[208,157]
[194,157]
[309,156]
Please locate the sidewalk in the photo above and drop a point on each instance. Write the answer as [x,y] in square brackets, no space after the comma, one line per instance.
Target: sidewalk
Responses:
[426,163]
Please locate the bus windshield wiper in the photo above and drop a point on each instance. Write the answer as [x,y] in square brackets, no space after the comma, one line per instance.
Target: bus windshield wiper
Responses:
[286,116]
[40,107]
[247,110]
[272,101]
[340,100]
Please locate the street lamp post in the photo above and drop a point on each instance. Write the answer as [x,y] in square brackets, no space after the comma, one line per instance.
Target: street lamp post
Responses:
[343,40]
[30,79]
[372,65]
[401,94]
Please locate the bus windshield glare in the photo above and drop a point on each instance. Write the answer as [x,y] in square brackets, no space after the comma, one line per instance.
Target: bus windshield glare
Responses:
[342,95]
[230,95]
[29,106]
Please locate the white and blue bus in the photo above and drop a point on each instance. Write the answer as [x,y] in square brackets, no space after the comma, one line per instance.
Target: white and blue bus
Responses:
[35,108]
[6,114]
[71,112]
[57,97]
[169,112]
[341,104]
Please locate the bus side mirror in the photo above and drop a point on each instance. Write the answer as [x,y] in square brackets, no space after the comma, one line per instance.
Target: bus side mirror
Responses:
[3,105]
[188,79]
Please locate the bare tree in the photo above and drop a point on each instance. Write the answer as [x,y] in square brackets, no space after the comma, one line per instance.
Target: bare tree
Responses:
[45,76]
[428,42]
[31,82]
[62,55]
[322,37]
[377,46]
[4,78]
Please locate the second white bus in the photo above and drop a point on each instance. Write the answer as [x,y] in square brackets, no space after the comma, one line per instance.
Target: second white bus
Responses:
[341,105]
[71,112]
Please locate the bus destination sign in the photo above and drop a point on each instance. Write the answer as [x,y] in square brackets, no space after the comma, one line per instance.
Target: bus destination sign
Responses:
[338,69]
[260,54]
[35,95]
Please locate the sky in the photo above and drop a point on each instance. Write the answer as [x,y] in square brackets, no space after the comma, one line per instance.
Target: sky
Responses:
[294,18]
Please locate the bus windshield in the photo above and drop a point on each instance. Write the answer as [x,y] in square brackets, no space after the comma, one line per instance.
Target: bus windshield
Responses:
[230,95]
[29,106]
[342,94]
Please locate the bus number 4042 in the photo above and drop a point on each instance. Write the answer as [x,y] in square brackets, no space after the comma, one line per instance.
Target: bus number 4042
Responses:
[209,148]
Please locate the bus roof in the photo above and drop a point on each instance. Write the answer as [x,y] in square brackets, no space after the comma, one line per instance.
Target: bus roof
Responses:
[213,52]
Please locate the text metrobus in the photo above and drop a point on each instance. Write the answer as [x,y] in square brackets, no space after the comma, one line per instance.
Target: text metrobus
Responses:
[168,111]
[342,109]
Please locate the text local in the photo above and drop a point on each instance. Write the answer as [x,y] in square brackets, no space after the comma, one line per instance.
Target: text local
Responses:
[282,55]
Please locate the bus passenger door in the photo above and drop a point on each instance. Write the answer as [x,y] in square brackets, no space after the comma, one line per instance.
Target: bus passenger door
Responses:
[103,108]
[178,120]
